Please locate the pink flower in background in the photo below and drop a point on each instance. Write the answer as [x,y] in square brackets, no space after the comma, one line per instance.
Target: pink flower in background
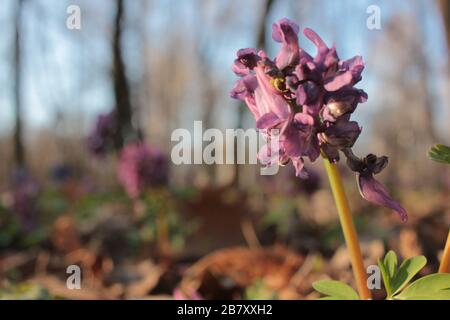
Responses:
[142,166]
[186,294]
[308,101]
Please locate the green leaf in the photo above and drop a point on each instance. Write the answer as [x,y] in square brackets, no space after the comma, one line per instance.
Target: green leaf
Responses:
[336,290]
[390,262]
[408,269]
[386,278]
[440,153]
[434,286]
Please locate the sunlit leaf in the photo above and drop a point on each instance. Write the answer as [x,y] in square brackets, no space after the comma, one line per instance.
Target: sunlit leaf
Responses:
[390,262]
[434,286]
[440,153]
[335,290]
[408,269]
[386,279]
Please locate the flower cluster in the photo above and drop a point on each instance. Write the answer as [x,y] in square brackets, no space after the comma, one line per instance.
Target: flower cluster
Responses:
[101,138]
[307,103]
[141,166]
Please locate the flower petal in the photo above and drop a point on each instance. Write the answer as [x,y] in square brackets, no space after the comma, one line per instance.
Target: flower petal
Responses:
[268,120]
[267,98]
[246,60]
[373,191]
[299,167]
[322,48]
[338,81]
[306,93]
[285,31]
[341,134]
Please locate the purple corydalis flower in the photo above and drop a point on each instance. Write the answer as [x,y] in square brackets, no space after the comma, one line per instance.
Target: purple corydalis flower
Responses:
[369,188]
[25,195]
[285,32]
[373,191]
[289,94]
[142,166]
[307,102]
[342,134]
[186,294]
[100,139]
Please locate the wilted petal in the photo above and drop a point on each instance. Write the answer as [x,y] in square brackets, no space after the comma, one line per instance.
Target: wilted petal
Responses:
[285,31]
[373,191]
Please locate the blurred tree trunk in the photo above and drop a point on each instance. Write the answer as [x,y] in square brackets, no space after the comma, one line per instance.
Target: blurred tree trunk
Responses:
[19,149]
[260,45]
[121,86]
[444,6]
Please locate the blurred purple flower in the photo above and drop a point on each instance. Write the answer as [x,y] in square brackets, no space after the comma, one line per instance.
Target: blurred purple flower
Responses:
[100,139]
[25,195]
[307,100]
[142,166]
[187,294]
[60,173]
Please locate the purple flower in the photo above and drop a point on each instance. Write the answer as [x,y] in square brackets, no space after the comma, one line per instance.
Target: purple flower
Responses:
[101,138]
[61,173]
[186,294]
[306,102]
[25,195]
[285,31]
[342,134]
[369,188]
[142,166]
[375,192]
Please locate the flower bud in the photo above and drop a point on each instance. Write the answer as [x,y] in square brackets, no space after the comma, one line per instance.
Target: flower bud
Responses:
[375,164]
[342,134]
[339,108]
